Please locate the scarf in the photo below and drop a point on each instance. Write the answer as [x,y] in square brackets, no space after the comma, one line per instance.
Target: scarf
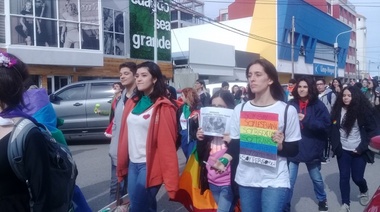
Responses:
[141,106]
[9,113]
[186,111]
[303,106]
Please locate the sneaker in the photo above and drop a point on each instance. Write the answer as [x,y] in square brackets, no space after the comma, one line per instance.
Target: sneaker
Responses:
[322,206]
[363,198]
[325,161]
[345,208]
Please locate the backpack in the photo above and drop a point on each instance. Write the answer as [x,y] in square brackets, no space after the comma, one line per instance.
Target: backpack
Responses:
[329,97]
[62,168]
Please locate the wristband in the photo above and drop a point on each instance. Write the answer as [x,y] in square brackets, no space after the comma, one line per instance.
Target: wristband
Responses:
[224,161]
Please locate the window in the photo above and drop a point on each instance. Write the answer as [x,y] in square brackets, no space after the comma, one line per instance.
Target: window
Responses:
[75,92]
[55,23]
[113,26]
[101,90]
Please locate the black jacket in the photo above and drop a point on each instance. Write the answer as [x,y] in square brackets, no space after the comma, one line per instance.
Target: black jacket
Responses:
[367,128]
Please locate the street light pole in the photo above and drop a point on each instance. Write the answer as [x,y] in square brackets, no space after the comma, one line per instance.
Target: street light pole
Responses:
[336,49]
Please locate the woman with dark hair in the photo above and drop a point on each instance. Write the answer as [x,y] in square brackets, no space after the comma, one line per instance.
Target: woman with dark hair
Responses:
[336,86]
[314,120]
[353,124]
[370,92]
[217,175]
[200,87]
[187,125]
[14,194]
[267,131]
[234,89]
[147,152]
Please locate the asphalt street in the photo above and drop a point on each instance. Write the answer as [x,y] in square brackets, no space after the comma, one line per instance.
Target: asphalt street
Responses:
[94,174]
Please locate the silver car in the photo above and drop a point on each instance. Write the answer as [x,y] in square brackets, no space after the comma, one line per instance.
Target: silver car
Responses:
[75,104]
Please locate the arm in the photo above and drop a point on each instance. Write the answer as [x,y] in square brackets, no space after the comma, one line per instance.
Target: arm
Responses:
[319,122]
[36,169]
[166,148]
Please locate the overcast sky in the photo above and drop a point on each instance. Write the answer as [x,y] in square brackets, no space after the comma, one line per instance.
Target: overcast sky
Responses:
[368,8]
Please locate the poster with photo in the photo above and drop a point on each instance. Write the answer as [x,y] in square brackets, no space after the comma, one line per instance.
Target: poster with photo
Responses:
[215,121]
[108,19]
[119,22]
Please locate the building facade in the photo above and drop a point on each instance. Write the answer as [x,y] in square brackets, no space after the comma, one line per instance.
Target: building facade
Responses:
[65,41]
[268,32]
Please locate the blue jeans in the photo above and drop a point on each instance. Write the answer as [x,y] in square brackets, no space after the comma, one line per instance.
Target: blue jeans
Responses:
[113,184]
[80,203]
[142,199]
[254,199]
[353,164]
[314,170]
[223,197]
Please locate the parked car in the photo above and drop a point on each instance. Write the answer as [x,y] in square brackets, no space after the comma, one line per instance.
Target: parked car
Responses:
[75,104]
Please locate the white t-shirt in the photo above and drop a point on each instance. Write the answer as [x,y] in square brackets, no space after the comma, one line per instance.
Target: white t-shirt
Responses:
[353,140]
[138,126]
[257,175]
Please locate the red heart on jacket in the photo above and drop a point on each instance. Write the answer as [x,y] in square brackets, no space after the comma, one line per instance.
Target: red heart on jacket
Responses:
[146,116]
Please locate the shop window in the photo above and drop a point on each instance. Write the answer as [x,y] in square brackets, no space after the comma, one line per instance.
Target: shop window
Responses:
[113,26]
[55,23]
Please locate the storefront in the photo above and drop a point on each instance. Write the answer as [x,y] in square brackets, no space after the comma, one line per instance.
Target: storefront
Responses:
[64,41]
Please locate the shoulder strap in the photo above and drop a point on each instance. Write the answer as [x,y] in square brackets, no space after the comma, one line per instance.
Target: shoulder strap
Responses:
[329,97]
[16,147]
[242,107]
[285,118]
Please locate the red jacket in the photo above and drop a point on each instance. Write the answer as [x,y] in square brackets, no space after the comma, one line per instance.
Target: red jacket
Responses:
[162,161]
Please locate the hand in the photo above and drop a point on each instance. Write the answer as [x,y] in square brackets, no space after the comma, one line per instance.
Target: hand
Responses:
[200,134]
[227,138]
[301,116]
[278,137]
[219,167]
[24,28]
[62,40]
[39,31]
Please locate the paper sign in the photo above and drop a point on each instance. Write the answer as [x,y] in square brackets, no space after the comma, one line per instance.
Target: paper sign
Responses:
[215,121]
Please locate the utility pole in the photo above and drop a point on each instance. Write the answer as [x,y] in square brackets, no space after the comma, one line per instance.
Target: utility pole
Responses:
[155,30]
[292,53]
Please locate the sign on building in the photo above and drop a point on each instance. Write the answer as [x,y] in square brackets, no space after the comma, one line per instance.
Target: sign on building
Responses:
[142,30]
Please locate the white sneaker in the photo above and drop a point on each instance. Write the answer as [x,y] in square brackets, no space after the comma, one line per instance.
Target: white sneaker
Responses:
[345,208]
[363,198]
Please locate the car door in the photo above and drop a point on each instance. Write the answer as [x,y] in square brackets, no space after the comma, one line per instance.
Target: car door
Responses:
[69,105]
[99,93]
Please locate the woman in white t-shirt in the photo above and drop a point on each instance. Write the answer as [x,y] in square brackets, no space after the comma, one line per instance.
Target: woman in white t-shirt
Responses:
[262,173]
[353,125]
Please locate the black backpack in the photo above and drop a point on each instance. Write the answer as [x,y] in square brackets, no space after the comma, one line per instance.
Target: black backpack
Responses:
[62,171]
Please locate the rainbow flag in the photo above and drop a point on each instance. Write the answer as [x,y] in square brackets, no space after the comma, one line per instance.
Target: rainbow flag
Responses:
[189,193]
[256,144]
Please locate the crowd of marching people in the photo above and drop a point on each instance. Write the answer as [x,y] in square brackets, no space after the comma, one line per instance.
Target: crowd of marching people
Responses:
[251,164]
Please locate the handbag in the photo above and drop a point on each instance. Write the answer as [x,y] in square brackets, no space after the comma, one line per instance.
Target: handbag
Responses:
[120,205]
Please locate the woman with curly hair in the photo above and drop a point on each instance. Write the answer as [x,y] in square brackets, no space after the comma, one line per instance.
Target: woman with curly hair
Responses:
[353,126]
[185,120]
[314,120]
